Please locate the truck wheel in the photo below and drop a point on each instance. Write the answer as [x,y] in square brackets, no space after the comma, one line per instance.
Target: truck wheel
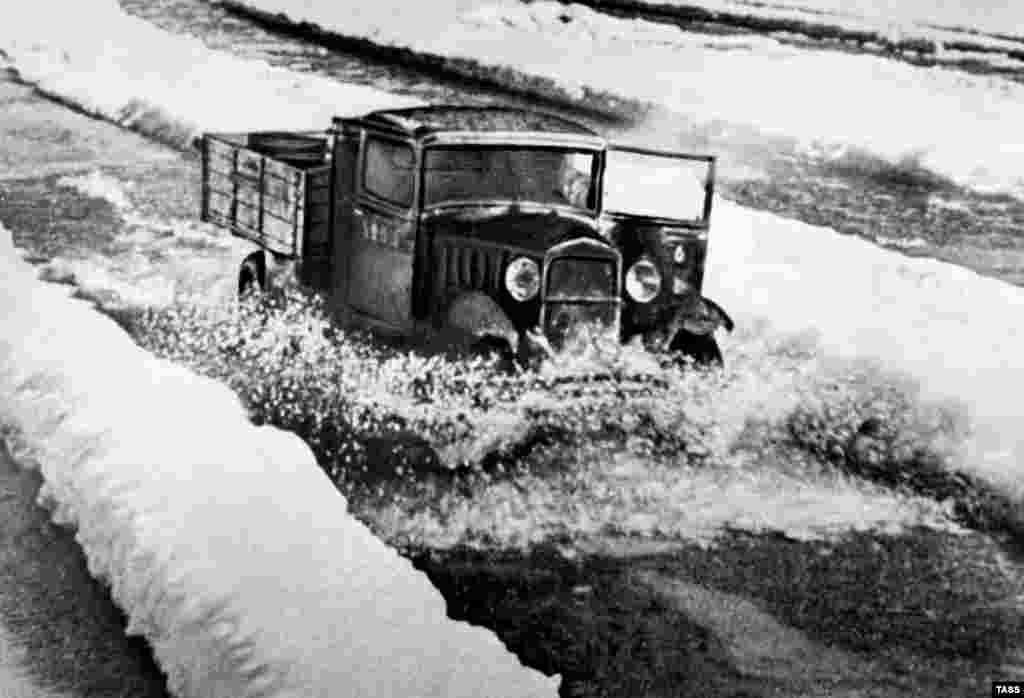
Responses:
[496,349]
[250,280]
[702,348]
[475,321]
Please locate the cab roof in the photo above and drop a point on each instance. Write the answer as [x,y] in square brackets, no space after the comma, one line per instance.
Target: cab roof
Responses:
[423,121]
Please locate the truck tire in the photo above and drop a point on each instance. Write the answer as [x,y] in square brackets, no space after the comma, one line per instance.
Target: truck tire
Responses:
[497,350]
[477,317]
[251,279]
[702,348]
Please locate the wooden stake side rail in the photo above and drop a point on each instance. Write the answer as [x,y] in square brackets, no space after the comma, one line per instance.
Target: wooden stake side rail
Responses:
[261,198]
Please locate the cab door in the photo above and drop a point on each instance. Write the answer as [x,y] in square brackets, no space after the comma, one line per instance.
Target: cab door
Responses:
[656,208]
[657,205]
[382,248]
[658,184]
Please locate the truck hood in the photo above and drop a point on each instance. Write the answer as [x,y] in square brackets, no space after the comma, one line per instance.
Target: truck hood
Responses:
[531,229]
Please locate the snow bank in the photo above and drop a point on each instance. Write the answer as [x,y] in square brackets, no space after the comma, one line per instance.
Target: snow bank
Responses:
[997,16]
[163,82]
[225,544]
[959,125]
[896,23]
[955,331]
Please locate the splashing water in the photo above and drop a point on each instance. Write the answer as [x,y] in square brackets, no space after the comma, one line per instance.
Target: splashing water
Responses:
[602,441]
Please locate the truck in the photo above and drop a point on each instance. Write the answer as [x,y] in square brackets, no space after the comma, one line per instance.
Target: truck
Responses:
[484,226]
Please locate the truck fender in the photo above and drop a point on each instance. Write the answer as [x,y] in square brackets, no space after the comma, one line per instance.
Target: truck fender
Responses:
[723,317]
[705,317]
[477,316]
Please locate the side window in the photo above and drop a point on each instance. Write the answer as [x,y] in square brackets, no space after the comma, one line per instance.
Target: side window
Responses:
[389,171]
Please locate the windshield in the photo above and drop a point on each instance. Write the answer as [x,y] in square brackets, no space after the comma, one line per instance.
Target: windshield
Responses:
[505,173]
[654,185]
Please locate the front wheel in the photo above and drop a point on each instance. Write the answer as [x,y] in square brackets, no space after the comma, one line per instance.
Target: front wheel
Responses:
[497,351]
[702,348]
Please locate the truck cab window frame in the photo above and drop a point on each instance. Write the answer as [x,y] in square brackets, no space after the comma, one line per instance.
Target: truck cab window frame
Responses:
[474,174]
[389,171]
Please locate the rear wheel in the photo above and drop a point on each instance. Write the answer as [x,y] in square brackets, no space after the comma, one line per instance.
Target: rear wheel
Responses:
[702,348]
[250,280]
[252,297]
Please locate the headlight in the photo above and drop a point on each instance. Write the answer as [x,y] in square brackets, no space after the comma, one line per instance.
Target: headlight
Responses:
[643,281]
[522,278]
[679,254]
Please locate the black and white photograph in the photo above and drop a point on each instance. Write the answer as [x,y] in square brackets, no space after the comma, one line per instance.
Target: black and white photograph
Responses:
[511,349]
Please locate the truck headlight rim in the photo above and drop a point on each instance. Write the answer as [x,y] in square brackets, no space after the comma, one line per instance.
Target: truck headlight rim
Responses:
[643,280]
[522,279]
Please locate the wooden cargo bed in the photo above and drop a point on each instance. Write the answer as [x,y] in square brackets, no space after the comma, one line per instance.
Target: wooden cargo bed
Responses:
[272,188]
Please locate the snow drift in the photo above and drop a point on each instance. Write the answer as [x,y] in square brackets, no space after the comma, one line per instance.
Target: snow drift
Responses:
[225,544]
[958,125]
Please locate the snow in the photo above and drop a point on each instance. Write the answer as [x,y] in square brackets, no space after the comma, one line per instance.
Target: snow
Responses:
[889,21]
[225,544]
[914,314]
[959,125]
[186,529]
[996,16]
[197,263]
[951,329]
[157,73]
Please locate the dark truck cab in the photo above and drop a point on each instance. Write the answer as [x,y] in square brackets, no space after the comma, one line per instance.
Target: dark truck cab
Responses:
[468,223]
